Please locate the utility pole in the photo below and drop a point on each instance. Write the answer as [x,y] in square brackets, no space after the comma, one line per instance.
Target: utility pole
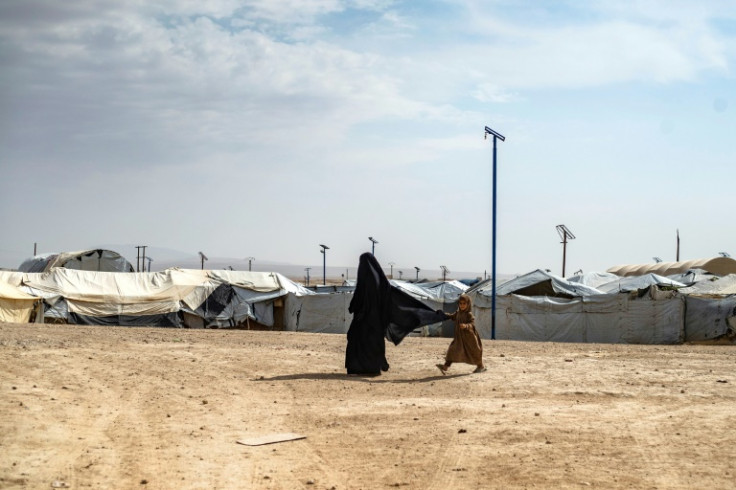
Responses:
[418,269]
[391,264]
[307,270]
[250,259]
[203,257]
[138,259]
[445,270]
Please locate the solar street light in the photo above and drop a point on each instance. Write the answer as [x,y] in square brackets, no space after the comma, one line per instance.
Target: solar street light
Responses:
[373,244]
[324,263]
[496,136]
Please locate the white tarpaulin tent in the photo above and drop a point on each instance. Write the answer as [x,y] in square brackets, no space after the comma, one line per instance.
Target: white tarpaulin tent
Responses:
[16,305]
[635,283]
[538,283]
[218,298]
[100,260]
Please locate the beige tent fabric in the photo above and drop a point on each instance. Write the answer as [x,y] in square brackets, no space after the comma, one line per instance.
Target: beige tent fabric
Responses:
[15,305]
[719,266]
[262,282]
[95,293]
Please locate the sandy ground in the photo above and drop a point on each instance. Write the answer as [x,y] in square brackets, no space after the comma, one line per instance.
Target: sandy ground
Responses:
[101,407]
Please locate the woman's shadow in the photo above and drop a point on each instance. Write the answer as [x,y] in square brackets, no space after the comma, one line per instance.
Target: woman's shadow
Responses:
[358,378]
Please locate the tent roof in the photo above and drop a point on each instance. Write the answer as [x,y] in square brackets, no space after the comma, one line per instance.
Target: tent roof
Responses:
[633,283]
[719,266]
[720,286]
[540,283]
[98,259]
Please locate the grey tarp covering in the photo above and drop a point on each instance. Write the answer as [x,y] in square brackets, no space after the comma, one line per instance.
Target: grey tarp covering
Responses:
[692,276]
[635,283]
[321,313]
[593,279]
[327,311]
[715,285]
[100,260]
[656,318]
[538,283]
[709,317]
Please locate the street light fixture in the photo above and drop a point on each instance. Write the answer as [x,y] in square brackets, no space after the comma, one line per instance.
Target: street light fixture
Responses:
[496,136]
[445,271]
[307,269]
[564,233]
[373,244]
[203,257]
[391,264]
[324,263]
[418,269]
[250,259]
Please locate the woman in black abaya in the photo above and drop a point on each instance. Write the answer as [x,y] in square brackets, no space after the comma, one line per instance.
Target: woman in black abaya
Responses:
[366,350]
[380,310]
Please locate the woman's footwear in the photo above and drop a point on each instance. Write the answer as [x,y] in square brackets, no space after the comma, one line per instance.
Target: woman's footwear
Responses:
[442,369]
[480,369]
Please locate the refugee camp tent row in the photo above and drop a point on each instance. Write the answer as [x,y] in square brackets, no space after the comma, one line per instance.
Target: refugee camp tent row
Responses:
[171,298]
[189,298]
[540,306]
[648,309]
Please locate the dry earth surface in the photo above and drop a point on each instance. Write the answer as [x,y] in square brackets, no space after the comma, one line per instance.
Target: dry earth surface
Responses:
[120,408]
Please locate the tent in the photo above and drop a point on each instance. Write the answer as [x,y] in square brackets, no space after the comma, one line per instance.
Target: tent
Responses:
[636,283]
[16,305]
[85,260]
[174,297]
[539,283]
[719,266]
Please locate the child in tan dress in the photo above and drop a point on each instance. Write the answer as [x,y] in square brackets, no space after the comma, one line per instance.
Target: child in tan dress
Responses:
[466,345]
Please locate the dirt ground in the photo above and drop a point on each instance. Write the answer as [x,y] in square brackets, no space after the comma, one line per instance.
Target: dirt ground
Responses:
[122,408]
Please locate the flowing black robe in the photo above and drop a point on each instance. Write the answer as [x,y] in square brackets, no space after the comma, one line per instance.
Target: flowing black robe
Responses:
[380,311]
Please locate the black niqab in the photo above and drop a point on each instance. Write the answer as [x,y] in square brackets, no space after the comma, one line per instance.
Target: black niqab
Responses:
[380,310]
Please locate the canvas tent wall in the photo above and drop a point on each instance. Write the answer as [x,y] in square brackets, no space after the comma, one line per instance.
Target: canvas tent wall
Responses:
[540,306]
[327,311]
[216,298]
[100,260]
[15,304]
[719,266]
[607,318]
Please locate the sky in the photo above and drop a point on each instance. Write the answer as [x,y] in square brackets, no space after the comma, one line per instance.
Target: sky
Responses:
[264,128]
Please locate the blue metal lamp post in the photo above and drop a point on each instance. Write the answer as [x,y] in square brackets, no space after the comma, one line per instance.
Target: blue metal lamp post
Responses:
[493,267]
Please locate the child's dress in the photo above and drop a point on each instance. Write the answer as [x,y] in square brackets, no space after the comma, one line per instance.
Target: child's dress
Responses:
[466,345]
